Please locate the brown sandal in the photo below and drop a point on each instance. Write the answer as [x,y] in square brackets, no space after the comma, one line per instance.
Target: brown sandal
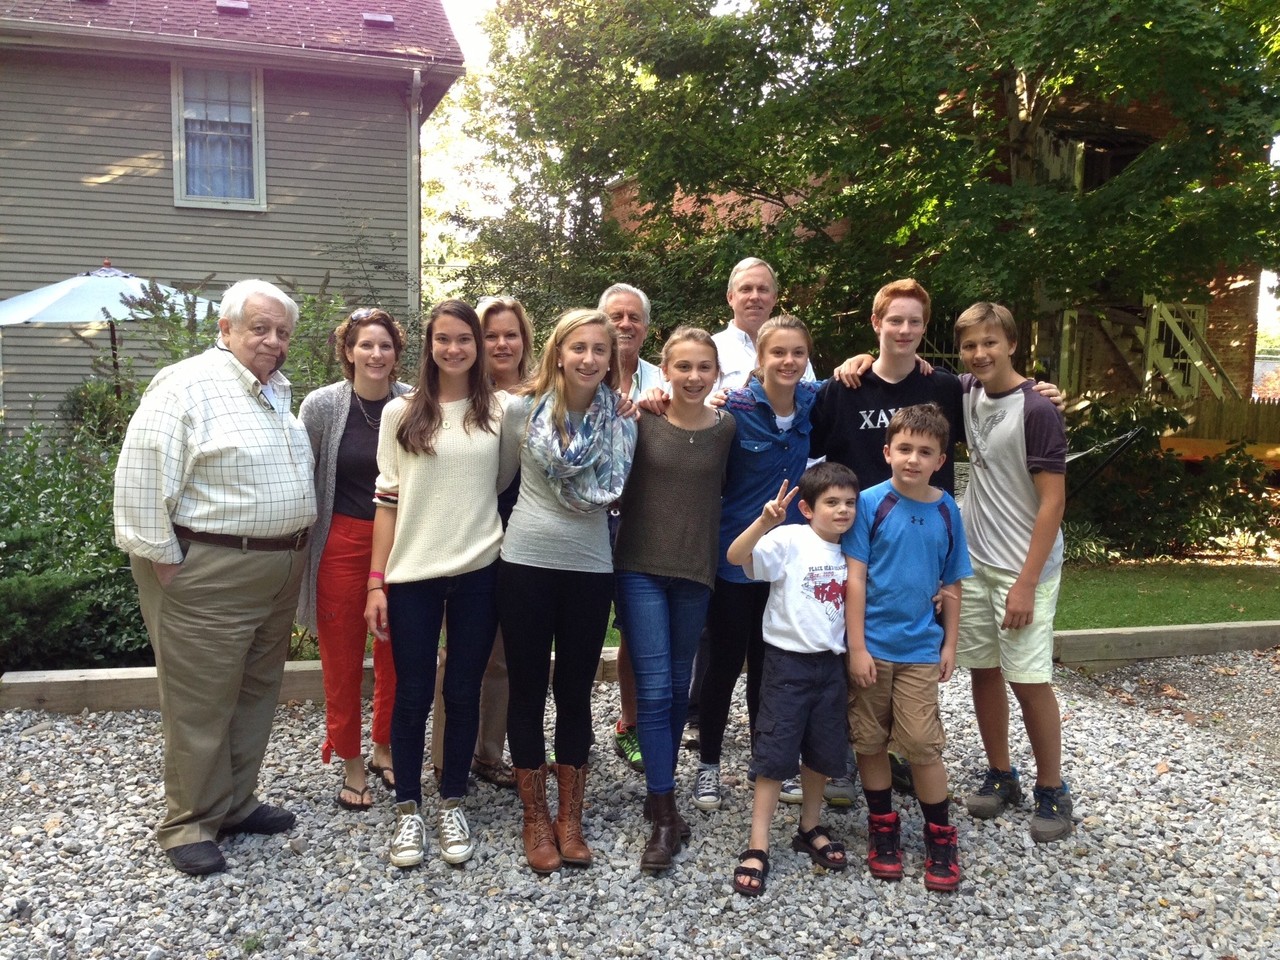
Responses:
[365,802]
[385,774]
[496,772]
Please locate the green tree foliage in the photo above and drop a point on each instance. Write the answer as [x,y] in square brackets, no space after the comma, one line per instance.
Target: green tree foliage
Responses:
[853,142]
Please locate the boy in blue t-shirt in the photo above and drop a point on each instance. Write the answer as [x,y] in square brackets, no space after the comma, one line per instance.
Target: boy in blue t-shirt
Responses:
[907,539]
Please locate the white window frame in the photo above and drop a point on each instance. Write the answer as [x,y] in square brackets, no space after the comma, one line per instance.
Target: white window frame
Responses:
[181,198]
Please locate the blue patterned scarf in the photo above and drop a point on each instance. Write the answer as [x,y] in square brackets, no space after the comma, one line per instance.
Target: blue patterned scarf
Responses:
[589,473]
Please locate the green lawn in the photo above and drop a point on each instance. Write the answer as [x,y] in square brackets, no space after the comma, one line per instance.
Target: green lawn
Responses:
[1153,594]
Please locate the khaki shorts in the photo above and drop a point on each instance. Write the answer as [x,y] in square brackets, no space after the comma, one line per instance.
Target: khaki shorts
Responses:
[1024,655]
[902,706]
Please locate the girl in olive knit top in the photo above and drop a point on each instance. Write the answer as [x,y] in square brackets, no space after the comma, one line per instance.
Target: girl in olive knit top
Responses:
[665,561]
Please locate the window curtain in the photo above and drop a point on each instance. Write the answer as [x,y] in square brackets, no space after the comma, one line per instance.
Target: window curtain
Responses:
[217,119]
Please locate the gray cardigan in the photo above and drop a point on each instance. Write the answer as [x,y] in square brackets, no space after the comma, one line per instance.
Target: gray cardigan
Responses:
[324,413]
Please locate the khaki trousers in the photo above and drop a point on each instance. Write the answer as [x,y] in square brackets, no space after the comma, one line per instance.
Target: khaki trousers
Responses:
[492,736]
[220,632]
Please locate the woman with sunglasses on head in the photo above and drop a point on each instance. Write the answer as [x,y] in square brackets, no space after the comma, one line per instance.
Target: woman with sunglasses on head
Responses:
[342,421]
[444,452]
[508,347]
[555,583]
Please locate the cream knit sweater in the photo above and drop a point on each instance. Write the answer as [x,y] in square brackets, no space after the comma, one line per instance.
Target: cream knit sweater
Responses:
[447,502]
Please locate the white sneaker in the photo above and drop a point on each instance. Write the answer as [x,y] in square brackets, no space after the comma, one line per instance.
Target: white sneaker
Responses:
[456,845]
[706,788]
[410,838]
[791,791]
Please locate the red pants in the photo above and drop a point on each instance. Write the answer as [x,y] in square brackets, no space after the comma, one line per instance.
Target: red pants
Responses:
[340,597]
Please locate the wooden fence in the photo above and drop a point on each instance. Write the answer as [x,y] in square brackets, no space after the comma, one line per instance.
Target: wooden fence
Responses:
[1230,419]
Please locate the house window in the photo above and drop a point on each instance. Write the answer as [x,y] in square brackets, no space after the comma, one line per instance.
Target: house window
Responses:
[217,138]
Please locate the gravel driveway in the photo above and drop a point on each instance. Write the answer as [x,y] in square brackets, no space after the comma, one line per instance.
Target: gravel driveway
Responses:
[1177,851]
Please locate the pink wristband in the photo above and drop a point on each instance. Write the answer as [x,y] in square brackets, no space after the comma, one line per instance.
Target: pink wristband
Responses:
[376,575]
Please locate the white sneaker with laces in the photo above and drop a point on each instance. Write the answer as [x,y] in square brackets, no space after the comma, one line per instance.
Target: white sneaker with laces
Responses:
[791,792]
[706,788]
[410,837]
[456,845]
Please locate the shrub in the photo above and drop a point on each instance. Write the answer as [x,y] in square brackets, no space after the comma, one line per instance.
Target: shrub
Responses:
[66,595]
[1146,502]
[101,407]
[1083,543]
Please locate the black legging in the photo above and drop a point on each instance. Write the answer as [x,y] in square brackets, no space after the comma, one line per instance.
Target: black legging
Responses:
[735,622]
[536,608]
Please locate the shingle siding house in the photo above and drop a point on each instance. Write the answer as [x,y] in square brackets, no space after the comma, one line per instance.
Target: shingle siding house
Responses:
[184,138]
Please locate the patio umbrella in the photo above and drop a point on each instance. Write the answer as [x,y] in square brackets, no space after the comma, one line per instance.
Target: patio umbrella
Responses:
[85,297]
[82,298]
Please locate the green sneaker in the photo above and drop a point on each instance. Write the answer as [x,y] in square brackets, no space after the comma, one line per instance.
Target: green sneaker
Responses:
[626,744]
[900,771]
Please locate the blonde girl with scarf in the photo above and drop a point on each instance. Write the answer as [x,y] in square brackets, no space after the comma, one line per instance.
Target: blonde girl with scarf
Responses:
[555,579]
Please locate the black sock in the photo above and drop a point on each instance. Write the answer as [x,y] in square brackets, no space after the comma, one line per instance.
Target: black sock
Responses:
[879,802]
[936,813]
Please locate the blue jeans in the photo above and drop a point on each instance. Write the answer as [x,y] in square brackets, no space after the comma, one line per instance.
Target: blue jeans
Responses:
[662,618]
[415,614]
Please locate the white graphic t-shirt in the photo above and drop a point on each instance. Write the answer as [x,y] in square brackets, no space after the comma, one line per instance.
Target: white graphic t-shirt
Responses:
[805,613]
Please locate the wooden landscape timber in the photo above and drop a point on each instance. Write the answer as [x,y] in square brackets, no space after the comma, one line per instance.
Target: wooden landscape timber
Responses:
[1093,651]
[134,688]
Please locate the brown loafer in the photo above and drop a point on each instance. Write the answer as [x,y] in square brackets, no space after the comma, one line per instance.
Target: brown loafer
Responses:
[496,772]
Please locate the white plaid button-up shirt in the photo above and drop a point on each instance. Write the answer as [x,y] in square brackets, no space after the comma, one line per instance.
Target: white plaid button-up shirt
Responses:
[209,450]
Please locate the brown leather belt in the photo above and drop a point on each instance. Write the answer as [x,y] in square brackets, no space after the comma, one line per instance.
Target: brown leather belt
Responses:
[295,542]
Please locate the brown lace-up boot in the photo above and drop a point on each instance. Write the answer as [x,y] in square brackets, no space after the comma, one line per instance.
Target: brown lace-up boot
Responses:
[539,841]
[667,838]
[568,826]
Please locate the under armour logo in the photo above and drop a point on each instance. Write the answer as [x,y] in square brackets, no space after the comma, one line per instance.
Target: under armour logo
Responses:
[919,520]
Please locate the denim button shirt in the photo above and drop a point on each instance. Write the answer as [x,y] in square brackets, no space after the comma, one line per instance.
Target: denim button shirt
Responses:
[760,458]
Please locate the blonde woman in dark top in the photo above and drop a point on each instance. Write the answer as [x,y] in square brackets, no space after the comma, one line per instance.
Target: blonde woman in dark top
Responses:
[665,563]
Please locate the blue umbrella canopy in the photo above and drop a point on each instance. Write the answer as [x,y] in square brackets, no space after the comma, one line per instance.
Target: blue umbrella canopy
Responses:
[83,298]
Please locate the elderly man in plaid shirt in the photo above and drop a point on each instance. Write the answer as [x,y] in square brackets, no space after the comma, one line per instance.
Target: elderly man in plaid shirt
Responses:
[213,503]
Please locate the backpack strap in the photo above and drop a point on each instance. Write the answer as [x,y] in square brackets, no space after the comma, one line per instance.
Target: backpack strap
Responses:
[887,504]
[891,500]
[946,522]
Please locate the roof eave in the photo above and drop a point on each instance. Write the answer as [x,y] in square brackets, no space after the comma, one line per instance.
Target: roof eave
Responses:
[108,41]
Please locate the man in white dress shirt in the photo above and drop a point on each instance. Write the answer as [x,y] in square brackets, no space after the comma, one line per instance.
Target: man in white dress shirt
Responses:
[752,295]
[214,498]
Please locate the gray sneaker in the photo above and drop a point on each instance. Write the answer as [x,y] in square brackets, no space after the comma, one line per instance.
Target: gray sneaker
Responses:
[791,791]
[706,788]
[1052,820]
[410,836]
[840,791]
[1000,789]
